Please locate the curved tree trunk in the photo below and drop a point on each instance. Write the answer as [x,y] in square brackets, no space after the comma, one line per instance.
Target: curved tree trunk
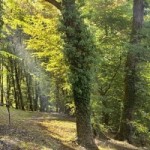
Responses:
[78,51]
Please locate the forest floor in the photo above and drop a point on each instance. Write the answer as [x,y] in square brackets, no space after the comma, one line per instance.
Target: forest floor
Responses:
[45,131]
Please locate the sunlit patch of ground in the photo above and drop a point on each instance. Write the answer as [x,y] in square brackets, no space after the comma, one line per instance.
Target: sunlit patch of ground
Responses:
[61,130]
[44,131]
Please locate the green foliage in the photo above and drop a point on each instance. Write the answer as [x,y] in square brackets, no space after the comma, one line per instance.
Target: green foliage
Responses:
[110,37]
[71,107]
[84,59]
[8,55]
[1,13]
[78,45]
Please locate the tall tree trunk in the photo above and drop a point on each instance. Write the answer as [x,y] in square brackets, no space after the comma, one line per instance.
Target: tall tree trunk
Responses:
[2,82]
[15,92]
[29,84]
[78,50]
[1,13]
[57,96]
[1,61]
[79,54]
[36,98]
[18,86]
[8,87]
[126,129]
[14,83]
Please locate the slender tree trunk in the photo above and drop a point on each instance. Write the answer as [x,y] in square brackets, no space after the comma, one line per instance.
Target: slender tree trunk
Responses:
[43,99]
[57,96]
[14,83]
[15,92]
[2,83]
[29,82]
[18,86]
[62,101]
[36,98]
[8,87]
[126,129]
[1,60]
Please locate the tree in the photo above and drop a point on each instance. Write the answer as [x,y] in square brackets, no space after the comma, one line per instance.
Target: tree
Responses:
[126,128]
[1,12]
[79,50]
[110,26]
[1,59]
[24,69]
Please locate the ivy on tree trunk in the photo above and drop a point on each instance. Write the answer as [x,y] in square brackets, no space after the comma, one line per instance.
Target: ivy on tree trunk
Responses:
[78,49]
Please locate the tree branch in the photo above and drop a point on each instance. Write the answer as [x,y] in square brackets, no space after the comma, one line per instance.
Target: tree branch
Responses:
[55,3]
[103,91]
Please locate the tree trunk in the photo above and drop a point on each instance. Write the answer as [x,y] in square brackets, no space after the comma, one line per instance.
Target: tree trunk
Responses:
[43,103]
[13,83]
[15,93]
[36,98]
[79,54]
[126,128]
[8,87]
[2,82]
[78,51]
[83,123]
[18,86]
[29,94]
[1,60]
[57,96]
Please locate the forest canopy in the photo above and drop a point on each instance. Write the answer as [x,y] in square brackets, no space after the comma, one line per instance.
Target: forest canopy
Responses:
[86,59]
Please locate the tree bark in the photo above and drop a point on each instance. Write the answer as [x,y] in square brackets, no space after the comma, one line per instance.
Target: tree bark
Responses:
[126,128]
[78,52]
[13,83]
[57,96]
[2,82]
[36,97]
[17,78]
[78,56]
[8,87]
[29,92]
[1,60]
[55,3]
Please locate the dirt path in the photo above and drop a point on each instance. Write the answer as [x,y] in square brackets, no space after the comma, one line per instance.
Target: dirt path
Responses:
[44,131]
[39,131]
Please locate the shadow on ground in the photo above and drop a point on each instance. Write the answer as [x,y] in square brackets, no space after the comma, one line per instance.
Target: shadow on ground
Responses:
[29,132]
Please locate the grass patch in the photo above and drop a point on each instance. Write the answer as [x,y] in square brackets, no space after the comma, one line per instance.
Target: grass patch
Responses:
[61,130]
[44,131]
